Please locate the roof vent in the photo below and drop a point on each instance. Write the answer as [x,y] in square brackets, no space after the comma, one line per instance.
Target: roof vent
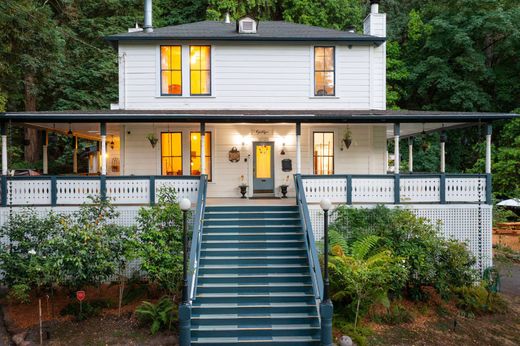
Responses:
[227,20]
[351,29]
[247,25]
[136,29]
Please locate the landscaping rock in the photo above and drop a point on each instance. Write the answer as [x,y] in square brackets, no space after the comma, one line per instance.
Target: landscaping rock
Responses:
[345,341]
[19,338]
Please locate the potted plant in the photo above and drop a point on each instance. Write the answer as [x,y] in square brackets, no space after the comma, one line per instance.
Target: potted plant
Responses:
[153,139]
[243,186]
[284,187]
[347,138]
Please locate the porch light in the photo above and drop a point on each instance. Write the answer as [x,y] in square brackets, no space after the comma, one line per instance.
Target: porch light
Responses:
[185,204]
[70,130]
[325,204]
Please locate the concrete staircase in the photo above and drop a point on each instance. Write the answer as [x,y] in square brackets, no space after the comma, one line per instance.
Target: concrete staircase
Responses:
[254,285]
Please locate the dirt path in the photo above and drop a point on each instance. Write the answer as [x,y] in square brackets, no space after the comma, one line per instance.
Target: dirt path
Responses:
[510,280]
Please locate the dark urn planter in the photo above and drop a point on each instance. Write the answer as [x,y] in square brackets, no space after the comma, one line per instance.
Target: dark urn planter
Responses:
[243,190]
[283,190]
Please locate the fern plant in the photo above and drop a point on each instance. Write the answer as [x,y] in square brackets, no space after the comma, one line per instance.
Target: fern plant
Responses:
[363,273]
[159,315]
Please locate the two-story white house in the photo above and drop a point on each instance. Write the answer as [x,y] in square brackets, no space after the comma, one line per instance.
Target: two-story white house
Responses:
[276,108]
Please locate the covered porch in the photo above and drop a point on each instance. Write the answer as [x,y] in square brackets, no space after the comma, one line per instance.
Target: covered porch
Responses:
[127,167]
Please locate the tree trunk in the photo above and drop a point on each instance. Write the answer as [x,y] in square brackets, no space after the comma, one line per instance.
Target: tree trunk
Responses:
[31,143]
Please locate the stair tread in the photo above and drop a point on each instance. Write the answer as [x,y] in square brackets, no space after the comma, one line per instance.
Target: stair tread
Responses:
[250,241]
[251,257]
[253,211]
[261,315]
[252,305]
[274,275]
[272,284]
[255,295]
[255,234]
[252,226]
[233,266]
[226,340]
[255,249]
[259,327]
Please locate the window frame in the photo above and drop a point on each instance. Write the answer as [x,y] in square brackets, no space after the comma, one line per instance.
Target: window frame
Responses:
[333,151]
[210,175]
[200,70]
[324,71]
[171,70]
[181,157]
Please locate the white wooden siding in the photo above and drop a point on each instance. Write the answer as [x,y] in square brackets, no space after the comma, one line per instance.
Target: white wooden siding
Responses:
[256,76]
[366,154]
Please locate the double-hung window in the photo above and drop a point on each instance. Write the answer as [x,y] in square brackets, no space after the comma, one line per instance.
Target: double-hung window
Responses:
[171,153]
[171,70]
[323,153]
[324,71]
[200,70]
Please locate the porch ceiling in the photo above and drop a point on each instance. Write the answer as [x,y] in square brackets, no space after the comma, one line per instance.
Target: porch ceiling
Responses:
[254,116]
[83,130]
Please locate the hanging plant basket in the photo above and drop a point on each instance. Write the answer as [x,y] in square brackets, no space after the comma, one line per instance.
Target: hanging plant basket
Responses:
[152,139]
[347,142]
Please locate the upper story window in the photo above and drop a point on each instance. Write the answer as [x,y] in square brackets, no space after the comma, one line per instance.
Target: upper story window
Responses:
[171,70]
[324,71]
[200,70]
[323,153]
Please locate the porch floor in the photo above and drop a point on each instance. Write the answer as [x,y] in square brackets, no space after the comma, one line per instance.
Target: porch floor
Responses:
[250,201]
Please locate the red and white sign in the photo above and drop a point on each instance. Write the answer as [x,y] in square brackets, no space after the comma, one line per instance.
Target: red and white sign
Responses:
[80,295]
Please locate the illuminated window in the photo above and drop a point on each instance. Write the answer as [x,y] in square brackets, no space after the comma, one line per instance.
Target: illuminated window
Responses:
[195,153]
[324,76]
[171,153]
[323,154]
[171,70]
[200,70]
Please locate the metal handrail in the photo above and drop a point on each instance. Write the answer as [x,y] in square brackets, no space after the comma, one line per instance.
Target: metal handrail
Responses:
[196,239]
[317,278]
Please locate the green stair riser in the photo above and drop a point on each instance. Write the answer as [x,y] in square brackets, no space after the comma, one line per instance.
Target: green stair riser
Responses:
[251,215]
[248,299]
[252,222]
[254,236]
[251,261]
[251,280]
[259,244]
[255,270]
[251,229]
[250,208]
[250,309]
[250,290]
[235,332]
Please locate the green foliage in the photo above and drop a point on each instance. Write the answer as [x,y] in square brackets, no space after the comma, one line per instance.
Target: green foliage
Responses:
[430,260]
[159,241]
[87,309]
[364,275]
[160,315]
[20,293]
[358,334]
[28,258]
[477,300]
[395,314]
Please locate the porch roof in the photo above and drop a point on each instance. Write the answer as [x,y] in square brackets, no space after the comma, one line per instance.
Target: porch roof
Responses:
[256,116]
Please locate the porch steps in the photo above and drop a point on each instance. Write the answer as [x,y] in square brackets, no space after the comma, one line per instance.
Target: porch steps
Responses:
[254,285]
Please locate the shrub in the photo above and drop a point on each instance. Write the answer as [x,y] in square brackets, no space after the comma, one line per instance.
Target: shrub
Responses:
[394,315]
[160,315]
[87,309]
[20,293]
[430,259]
[159,241]
[364,275]
[358,334]
[477,300]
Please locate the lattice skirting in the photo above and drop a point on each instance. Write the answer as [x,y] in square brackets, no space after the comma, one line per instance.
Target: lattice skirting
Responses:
[457,221]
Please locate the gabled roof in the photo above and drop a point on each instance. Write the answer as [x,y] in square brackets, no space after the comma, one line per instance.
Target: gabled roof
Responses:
[267,31]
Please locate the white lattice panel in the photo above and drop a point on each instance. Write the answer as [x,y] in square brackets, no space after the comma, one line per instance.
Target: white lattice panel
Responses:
[462,189]
[29,192]
[128,191]
[371,190]
[455,221]
[188,188]
[420,190]
[76,191]
[334,189]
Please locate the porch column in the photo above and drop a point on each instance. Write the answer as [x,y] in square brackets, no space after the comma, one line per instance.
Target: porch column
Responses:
[443,151]
[397,159]
[75,155]
[489,130]
[298,148]
[103,132]
[4,149]
[397,163]
[202,148]
[4,165]
[410,154]
[45,157]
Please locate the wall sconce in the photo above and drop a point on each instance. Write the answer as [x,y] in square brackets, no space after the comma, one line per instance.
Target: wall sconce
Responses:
[112,144]
[283,149]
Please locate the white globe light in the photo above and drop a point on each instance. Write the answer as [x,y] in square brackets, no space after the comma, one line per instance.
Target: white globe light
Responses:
[325,204]
[185,204]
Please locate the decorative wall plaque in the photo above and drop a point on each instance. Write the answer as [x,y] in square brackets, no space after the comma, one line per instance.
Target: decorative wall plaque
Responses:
[234,155]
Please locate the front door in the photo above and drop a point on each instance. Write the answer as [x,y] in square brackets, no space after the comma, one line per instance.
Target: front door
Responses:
[263,167]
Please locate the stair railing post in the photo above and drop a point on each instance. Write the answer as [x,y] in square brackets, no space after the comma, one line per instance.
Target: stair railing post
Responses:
[185,307]
[326,308]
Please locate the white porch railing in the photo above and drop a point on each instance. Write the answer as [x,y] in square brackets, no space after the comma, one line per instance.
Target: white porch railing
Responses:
[56,191]
[398,189]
